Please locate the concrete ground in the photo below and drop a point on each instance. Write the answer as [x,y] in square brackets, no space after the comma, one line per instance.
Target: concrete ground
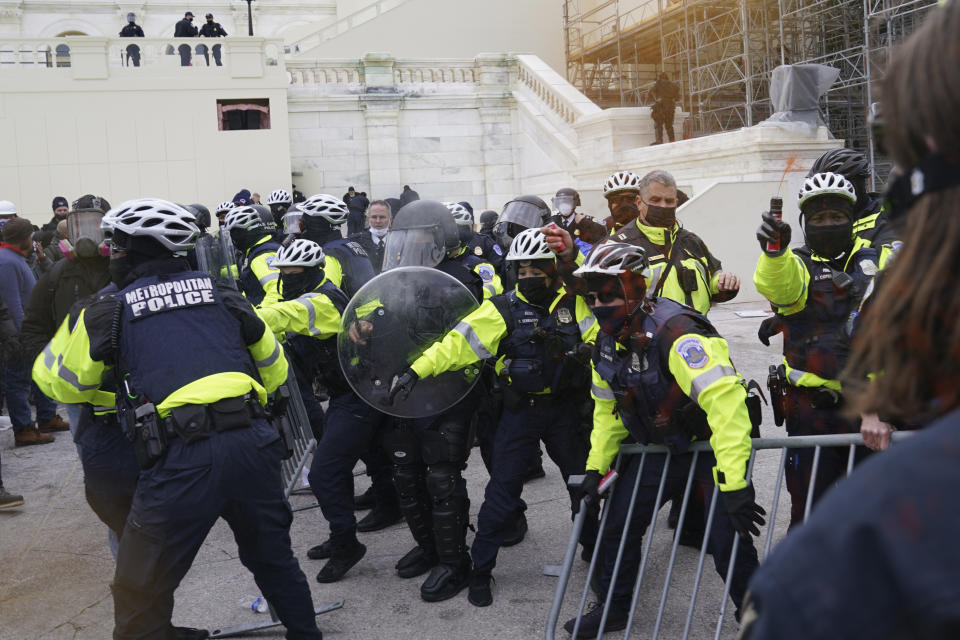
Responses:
[57,567]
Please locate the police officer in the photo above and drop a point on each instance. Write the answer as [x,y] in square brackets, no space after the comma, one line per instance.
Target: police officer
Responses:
[195,414]
[310,316]
[621,190]
[429,454]
[523,212]
[279,201]
[870,219]
[815,289]
[584,230]
[480,245]
[250,235]
[132,30]
[185,29]
[534,333]
[222,210]
[473,259]
[487,219]
[662,374]
[347,264]
[211,29]
[201,215]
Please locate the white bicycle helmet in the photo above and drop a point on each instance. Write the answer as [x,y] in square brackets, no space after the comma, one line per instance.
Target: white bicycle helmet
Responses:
[245,217]
[614,259]
[330,208]
[530,244]
[279,196]
[621,181]
[826,184]
[300,253]
[224,207]
[7,208]
[460,213]
[169,224]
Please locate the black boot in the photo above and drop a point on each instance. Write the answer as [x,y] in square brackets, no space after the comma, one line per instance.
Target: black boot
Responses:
[590,622]
[322,551]
[341,560]
[189,633]
[365,500]
[446,581]
[479,594]
[517,533]
[379,518]
[416,562]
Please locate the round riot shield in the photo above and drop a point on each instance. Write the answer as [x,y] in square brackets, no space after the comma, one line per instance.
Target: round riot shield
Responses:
[388,324]
[217,256]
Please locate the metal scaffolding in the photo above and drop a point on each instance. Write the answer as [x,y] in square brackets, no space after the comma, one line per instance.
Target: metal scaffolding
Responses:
[721,53]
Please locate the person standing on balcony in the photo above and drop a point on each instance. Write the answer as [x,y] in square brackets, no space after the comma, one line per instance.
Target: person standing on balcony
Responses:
[132,30]
[185,29]
[665,95]
[211,30]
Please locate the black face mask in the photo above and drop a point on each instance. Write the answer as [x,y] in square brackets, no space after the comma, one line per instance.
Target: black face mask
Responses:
[612,320]
[829,241]
[661,216]
[119,269]
[625,213]
[317,229]
[243,239]
[294,285]
[536,290]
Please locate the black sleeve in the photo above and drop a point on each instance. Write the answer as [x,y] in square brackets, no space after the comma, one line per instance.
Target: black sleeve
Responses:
[139,33]
[99,321]
[7,328]
[38,326]
[251,326]
[223,32]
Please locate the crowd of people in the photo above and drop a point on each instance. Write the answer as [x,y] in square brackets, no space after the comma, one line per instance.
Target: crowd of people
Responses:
[581,334]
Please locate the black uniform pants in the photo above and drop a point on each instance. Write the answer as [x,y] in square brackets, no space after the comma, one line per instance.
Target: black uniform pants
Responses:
[720,537]
[352,428]
[234,475]
[517,439]
[803,419]
[110,469]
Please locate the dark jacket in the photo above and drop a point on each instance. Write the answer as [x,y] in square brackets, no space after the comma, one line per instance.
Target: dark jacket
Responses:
[212,30]
[7,328]
[366,240]
[408,196]
[54,294]
[878,557]
[185,29]
[358,202]
[48,232]
[131,30]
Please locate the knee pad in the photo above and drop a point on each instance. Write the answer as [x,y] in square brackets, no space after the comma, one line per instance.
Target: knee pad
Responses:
[442,481]
[449,442]
[408,480]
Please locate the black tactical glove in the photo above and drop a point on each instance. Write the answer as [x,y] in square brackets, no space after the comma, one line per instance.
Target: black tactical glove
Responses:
[581,353]
[589,490]
[745,514]
[772,230]
[769,328]
[403,384]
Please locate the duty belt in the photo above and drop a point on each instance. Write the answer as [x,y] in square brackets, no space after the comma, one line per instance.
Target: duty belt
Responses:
[195,422]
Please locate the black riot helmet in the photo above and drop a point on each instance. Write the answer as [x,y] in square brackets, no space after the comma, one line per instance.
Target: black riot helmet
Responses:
[202,214]
[422,233]
[852,165]
[487,220]
[523,212]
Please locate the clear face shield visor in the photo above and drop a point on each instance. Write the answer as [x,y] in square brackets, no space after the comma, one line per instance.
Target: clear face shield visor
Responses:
[413,248]
[84,232]
[563,204]
[291,222]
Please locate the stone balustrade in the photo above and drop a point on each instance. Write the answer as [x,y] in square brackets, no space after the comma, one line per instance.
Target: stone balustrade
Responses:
[553,90]
[90,57]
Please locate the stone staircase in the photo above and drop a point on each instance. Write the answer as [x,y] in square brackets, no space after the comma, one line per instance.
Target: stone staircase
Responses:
[302,43]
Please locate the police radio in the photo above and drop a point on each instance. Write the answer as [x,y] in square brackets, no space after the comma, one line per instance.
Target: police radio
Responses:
[776,211]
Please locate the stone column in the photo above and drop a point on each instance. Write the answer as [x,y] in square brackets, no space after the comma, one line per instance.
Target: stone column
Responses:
[496,74]
[381,104]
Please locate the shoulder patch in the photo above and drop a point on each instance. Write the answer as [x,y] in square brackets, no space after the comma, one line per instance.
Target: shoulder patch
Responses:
[693,353]
[869,267]
[485,271]
[269,260]
[497,250]
[895,246]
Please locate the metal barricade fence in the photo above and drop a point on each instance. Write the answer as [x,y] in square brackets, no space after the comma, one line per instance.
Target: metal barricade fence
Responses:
[663,624]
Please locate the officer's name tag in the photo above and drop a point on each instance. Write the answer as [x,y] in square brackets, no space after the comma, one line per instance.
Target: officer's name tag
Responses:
[170,295]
